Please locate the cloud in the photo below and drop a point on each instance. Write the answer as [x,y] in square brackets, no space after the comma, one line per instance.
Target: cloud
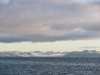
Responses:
[49,20]
[75,35]
[90,47]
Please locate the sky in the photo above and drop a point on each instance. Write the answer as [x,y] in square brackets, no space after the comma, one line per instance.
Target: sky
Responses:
[49,25]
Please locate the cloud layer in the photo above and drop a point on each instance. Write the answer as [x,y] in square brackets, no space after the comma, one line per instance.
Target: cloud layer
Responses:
[49,20]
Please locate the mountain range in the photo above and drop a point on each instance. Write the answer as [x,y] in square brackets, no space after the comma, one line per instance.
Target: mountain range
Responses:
[30,54]
[84,53]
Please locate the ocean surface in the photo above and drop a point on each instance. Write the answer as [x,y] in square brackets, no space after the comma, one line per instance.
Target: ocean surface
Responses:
[49,66]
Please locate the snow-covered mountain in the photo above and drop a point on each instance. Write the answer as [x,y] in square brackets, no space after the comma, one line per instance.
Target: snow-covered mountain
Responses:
[30,54]
[84,53]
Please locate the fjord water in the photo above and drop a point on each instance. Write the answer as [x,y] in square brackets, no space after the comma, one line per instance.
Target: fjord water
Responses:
[49,66]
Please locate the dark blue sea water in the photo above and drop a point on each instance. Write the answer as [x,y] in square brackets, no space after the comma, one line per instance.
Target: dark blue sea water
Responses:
[49,66]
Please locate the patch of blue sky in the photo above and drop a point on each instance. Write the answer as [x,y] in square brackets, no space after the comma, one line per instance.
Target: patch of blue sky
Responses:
[6,1]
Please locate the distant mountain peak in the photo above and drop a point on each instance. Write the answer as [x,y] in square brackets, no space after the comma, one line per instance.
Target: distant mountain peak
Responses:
[84,53]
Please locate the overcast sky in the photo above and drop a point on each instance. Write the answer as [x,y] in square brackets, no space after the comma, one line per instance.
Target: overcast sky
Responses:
[57,25]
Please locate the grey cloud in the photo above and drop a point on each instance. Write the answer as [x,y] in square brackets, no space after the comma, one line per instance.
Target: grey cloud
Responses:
[90,47]
[77,35]
[49,20]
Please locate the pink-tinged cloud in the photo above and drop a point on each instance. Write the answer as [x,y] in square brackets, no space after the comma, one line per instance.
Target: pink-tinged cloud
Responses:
[49,20]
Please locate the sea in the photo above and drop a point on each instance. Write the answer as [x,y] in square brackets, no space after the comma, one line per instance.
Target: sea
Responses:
[49,66]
